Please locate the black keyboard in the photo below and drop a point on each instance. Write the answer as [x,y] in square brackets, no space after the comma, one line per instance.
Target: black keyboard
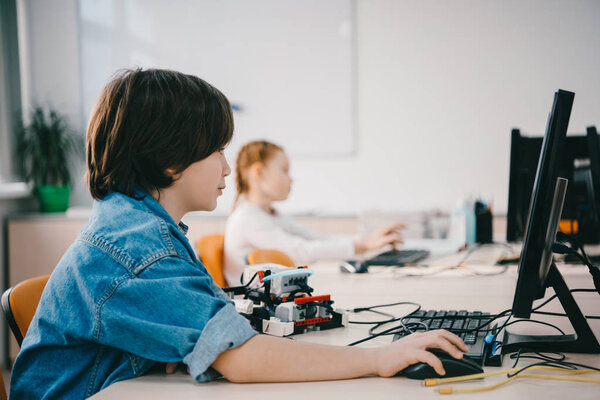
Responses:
[397,257]
[456,322]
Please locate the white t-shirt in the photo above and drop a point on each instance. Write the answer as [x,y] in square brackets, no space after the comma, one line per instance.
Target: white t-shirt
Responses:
[249,227]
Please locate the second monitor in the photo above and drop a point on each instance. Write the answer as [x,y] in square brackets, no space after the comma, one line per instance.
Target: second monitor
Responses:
[580,212]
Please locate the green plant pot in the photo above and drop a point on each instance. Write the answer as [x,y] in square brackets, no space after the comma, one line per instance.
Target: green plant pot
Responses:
[53,198]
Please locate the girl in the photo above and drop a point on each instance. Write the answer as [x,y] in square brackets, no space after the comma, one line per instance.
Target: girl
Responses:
[129,293]
[262,177]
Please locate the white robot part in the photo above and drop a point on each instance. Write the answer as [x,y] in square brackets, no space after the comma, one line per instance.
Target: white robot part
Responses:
[283,280]
[243,306]
[276,327]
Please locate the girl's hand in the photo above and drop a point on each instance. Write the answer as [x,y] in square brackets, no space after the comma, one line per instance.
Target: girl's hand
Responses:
[379,238]
[413,349]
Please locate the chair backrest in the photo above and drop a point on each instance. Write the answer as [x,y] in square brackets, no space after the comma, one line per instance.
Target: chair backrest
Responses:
[210,251]
[20,302]
[261,256]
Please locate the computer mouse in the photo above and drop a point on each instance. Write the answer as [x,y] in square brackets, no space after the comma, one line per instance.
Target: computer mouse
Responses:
[452,366]
[355,267]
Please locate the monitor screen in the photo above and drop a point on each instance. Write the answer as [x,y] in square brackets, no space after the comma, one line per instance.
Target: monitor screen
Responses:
[594,190]
[577,214]
[534,261]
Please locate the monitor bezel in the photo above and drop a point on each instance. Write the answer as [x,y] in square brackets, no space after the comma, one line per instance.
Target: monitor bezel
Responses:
[531,282]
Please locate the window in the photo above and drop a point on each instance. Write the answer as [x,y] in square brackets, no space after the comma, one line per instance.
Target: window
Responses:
[10,93]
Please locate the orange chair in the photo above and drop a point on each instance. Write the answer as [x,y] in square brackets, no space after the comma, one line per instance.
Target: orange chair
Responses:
[210,251]
[261,256]
[20,302]
[3,395]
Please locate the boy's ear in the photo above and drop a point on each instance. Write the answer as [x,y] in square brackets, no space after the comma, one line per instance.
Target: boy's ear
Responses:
[171,172]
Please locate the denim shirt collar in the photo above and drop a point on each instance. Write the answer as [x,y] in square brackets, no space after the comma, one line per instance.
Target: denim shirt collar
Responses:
[154,206]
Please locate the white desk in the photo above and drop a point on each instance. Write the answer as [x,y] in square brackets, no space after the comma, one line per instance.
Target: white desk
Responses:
[454,289]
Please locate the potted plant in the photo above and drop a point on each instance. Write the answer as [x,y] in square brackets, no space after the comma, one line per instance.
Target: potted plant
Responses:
[45,147]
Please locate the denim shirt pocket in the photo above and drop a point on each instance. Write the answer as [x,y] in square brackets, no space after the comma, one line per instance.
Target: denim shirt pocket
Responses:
[140,365]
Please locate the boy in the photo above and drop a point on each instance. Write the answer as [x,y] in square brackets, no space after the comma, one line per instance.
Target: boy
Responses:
[129,293]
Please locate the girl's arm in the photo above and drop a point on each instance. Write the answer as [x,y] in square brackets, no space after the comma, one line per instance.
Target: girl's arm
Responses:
[270,359]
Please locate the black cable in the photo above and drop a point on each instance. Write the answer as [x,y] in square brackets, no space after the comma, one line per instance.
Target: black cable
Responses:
[544,363]
[559,247]
[555,296]
[535,322]
[372,336]
[234,288]
[564,315]
[559,361]
[400,303]
[538,356]
[392,318]
[535,309]
[381,323]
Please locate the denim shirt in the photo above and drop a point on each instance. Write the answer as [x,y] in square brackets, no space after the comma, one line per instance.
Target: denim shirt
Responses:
[127,294]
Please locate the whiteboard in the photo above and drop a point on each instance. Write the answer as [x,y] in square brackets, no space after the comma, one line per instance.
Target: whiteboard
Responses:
[287,66]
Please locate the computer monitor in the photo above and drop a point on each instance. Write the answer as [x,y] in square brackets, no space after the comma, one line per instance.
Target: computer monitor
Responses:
[537,270]
[578,214]
[594,181]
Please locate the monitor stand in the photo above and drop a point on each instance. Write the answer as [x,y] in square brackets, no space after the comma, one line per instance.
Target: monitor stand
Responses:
[583,341]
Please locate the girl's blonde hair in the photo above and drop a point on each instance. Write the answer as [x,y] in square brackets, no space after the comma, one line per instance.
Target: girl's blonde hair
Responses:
[258,151]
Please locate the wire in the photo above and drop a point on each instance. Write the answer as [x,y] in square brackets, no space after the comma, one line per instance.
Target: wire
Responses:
[379,324]
[371,309]
[535,309]
[504,269]
[440,381]
[549,363]
[564,315]
[561,360]
[372,336]
[450,390]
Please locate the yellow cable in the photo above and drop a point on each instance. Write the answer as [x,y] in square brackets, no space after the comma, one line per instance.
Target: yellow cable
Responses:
[440,381]
[450,390]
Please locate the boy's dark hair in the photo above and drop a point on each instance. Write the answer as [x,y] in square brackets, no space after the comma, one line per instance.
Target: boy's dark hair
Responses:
[148,121]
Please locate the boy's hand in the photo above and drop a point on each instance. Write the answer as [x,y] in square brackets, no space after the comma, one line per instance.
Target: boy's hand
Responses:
[413,349]
[171,367]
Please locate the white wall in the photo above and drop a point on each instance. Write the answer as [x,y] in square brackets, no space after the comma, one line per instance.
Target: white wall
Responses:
[440,85]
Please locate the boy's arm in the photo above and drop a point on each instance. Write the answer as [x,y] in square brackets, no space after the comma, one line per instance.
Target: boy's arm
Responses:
[269,359]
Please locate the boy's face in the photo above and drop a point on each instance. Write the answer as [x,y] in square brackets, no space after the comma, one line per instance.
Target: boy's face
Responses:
[199,185]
